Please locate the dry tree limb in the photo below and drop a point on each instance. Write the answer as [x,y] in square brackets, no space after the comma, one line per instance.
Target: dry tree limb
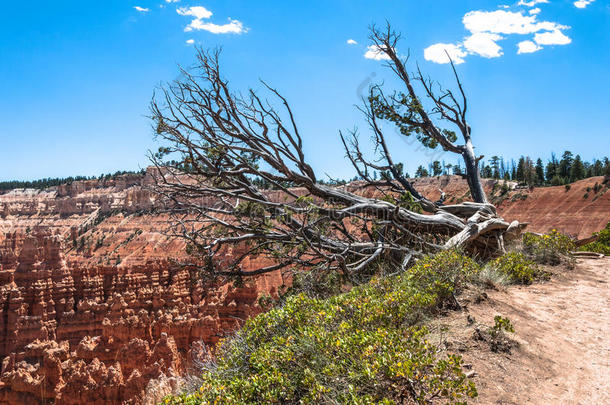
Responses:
[234,178]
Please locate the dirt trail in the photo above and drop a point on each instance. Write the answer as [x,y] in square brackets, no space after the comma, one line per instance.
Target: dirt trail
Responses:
[563,330]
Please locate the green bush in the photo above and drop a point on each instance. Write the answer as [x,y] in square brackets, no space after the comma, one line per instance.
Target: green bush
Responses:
[602,244]
[317,284]
[518,268]
[501,325]
[550,248]
[498,340]
[443,275]
[596,247]
[360,347]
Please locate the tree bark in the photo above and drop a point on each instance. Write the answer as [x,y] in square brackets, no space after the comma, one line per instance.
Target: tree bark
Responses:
[472,174]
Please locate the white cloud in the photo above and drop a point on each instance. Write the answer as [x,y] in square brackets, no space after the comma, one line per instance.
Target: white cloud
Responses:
[583,3]
[506,22]
[555,37]
[142,9]
[527,47]
[437,53]
[190,41]
[484,44]
[531,3]
[202,13]
[172,1]
[198,12]
[373,52]
[352,42]
[487,28]
[232,27]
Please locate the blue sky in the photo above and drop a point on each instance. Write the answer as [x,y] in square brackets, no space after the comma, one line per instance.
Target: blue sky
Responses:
[77,76]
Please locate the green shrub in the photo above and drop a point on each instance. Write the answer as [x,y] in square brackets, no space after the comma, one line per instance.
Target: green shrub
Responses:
[496,335]
[603,236]
[501,325]
[550,248]
[602,244]
[359,347]
[317,284]
[443,275]
[596,247]
[518,268]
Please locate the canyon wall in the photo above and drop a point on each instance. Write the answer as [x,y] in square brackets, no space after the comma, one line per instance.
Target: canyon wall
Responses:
[93,302]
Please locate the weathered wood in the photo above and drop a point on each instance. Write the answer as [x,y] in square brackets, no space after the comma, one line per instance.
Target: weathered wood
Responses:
[593,255]
[467,209]
[474,230]
[227,142]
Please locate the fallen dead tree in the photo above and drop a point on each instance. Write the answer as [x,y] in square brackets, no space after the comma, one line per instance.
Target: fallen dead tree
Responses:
[224,151]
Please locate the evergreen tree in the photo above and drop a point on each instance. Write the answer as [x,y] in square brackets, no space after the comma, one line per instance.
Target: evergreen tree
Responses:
[557,180]
[588,170]
[487,172]
[577,170]
[539,172]
[421,172]
[565,164]
[520,175]
[495,166]
[552,168]
[436,168]
[597,168]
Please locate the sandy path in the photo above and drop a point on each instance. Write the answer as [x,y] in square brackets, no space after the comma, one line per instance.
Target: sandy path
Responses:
[563,327]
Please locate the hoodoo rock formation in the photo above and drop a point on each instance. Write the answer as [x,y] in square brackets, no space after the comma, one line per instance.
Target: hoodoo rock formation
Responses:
[93,304]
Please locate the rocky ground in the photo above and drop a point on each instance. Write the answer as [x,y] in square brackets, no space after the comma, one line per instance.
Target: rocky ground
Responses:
[561,352]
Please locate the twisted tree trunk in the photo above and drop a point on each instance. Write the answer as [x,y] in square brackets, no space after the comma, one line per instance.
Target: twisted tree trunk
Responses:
[472,173]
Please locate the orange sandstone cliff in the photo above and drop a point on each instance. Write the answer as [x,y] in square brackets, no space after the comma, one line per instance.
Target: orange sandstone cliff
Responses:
[93,305]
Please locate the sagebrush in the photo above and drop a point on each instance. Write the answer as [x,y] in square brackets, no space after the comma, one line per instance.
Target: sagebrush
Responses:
[550,248]
[360,347]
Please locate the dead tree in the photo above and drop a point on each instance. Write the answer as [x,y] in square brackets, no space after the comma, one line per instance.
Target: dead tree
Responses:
[408,112]
[220,146]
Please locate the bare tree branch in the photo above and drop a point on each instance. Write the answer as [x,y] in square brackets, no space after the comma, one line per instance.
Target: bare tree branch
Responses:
[233,176]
